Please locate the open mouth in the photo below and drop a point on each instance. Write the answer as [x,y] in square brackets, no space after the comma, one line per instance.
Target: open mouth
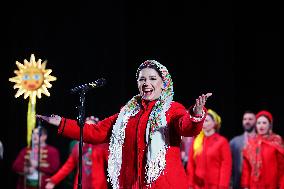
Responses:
[147,92]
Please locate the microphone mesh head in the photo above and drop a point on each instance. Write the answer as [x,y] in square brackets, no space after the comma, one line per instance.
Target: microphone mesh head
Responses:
[101,82]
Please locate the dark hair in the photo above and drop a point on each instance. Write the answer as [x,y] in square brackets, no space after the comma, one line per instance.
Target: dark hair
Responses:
[148,64]
[43,130]
[248,112]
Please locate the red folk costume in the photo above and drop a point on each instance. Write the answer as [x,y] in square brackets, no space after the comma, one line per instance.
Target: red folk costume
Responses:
[263,165]
[263,161]
[49,164]
[210,168]
[144,140]
[94,158]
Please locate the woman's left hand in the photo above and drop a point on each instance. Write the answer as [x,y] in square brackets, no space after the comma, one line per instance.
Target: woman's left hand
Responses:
[200,103]
[53,119]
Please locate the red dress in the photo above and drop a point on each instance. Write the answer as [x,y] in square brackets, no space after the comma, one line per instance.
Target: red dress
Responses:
[263,163]
[50,162]
[94,157]
[211,169]
[133,152]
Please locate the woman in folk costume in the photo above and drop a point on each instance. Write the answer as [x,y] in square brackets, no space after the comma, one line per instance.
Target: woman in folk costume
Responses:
[263,157]
[145,135]
[210,161]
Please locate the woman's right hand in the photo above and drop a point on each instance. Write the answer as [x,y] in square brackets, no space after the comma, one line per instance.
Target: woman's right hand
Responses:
[49,184]
[200,103]
[53,119]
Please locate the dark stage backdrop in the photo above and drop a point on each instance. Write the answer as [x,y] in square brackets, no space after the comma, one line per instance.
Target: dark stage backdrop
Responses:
[230,48]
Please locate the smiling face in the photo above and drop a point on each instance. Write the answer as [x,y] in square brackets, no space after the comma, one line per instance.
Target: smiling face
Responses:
[150,84]
[32,79]
[262,125]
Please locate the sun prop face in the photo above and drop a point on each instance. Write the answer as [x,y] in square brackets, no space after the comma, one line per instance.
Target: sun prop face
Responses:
[32,79]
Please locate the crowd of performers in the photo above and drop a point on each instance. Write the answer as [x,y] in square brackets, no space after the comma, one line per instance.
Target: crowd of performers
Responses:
[154,142]
[254,159]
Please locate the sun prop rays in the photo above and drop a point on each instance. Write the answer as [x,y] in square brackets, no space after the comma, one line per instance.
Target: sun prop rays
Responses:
[32,79]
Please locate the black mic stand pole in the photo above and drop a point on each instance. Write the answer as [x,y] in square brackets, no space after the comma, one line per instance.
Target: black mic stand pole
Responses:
[82,89]
[81,122]
[38,155]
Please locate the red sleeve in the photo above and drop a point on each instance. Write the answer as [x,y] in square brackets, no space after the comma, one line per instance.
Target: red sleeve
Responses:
[280,159]
[18,165]
[92,133]
[226,165]
[184,122]
[246,171]
[67,167]
[190,170]
[53,160]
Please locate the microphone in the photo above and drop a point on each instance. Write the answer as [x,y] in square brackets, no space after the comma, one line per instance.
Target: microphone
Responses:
[85,87]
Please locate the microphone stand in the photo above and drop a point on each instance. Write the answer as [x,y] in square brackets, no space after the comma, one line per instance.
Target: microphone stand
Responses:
[81,122]
[82,89]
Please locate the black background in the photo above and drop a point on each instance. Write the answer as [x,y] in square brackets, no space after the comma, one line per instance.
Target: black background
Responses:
[233,49]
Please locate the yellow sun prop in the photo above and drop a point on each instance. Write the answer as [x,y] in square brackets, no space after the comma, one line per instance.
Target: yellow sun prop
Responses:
[32,80]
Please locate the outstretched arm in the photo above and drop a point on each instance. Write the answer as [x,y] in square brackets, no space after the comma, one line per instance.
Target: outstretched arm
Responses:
[93,133]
